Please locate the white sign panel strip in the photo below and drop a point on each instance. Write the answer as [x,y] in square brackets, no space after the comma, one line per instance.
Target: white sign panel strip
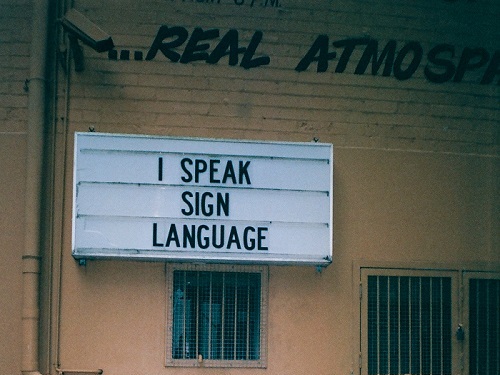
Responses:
[165,236]
[246,171]
[161,198]
[209,147]
[176,202]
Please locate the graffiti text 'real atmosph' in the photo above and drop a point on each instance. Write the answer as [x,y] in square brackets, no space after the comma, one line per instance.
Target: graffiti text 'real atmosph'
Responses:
[441,63]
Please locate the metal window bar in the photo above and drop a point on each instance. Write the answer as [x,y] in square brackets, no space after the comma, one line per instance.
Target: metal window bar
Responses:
[484,326]
[197,315]
[409,325]
[235,317]
[223,312]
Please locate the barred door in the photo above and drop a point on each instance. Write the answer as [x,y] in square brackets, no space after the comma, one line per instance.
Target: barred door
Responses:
[425,322]
[482,323]
[408,322]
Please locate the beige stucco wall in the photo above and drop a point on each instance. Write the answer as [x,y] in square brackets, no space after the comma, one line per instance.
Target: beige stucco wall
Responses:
[416,167]
[416,210]
[14,63]
[11,239]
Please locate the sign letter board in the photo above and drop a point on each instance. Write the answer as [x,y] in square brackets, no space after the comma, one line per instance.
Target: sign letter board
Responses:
[203,200]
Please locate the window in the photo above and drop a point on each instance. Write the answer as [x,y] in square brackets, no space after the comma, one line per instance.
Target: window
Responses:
[216,316]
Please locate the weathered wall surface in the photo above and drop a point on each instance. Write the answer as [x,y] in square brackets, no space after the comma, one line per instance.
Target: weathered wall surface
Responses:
[360,110]
[416,161]
[14,69]
[416,140]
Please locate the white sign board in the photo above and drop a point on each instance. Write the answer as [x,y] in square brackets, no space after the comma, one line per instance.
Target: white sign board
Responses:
[204,200]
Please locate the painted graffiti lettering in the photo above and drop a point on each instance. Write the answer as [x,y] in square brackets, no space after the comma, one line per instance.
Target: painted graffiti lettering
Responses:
[370,54]
[197,48]
[492,70]
[470,59]
[403,63]
[228,46]
[180,34]
[441,63]
[317,53]
[415,50]
[195,51]
[349,45]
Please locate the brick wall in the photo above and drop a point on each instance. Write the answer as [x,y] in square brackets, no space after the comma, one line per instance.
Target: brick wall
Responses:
[275,101]
[14,63]
[414,160]
[361,114]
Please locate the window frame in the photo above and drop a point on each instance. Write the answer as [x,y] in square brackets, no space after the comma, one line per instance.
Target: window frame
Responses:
[261,362]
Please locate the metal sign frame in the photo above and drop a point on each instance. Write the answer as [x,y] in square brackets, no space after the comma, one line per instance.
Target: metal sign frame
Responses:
[203,200]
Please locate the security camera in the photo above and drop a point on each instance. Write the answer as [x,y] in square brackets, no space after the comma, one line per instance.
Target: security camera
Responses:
[80,27]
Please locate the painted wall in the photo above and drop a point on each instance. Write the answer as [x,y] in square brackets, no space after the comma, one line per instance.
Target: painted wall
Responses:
[14,70]
[416,148]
